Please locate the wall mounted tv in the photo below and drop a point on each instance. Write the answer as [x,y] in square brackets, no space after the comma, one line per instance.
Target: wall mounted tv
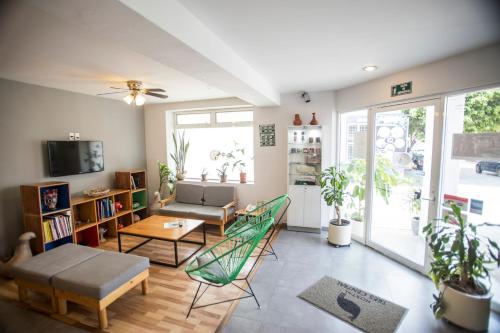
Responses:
[75,157]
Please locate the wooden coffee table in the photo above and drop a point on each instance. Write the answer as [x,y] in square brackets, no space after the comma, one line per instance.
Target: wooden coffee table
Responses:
[153,228]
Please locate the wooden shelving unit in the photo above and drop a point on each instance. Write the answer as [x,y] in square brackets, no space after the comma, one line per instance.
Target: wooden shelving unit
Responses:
[135,181]
[87,221]
[35,212]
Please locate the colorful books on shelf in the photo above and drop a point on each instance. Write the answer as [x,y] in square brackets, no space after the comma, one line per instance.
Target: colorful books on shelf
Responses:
[57,227]
[105,208]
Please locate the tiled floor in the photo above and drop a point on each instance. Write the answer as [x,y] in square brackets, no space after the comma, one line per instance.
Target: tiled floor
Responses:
[304,259]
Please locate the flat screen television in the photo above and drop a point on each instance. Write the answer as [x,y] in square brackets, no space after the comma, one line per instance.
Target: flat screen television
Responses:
[75,157]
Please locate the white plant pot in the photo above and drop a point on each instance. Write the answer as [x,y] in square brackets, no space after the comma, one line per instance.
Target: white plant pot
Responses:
[339,235]
[415,225]
[468,311]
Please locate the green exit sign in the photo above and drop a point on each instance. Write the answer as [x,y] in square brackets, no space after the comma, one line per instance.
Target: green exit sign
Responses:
[401,89]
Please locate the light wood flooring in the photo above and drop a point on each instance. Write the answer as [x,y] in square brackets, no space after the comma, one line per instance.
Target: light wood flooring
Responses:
[170,295]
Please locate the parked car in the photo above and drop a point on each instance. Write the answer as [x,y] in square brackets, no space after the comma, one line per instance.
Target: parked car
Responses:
[489,166]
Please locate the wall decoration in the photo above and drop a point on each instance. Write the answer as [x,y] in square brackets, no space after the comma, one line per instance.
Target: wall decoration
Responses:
[267,135]
[461,202]
[476,146]
[476,206]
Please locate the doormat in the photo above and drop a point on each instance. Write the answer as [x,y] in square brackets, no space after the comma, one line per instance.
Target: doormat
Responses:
[366,311]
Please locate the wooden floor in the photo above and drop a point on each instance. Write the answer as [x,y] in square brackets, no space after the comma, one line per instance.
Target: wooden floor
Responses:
[170,295]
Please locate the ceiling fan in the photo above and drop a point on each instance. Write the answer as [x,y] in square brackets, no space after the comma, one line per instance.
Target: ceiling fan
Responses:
[136,92]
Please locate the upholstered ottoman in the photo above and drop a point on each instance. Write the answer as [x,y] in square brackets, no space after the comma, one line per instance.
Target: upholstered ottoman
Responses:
[37,272]
[99,281]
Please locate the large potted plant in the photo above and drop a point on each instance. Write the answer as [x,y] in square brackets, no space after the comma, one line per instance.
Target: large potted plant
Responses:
[333,189]
[461,265]
[179,156]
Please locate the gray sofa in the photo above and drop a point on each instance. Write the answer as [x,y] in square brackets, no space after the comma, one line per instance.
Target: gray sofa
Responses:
[216,204]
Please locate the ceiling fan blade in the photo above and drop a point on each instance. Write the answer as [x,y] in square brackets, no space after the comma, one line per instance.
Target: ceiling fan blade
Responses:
[155,89]
[155,95]
[118,88]
[116,92]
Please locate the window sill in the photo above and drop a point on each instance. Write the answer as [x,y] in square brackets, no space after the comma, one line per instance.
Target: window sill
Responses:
[216,181]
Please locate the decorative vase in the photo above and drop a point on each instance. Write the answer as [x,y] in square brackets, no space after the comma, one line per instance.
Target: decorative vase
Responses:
[468,311]
[314,121]
[223,178]
[203,177]
[297,121]
[243,177]
[339,235]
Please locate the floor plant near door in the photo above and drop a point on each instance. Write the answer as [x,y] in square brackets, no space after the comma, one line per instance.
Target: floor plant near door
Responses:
[334,184]
[461,265]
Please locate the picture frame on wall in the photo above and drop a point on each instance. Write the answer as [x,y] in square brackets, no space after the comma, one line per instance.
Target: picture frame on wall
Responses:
[267,135]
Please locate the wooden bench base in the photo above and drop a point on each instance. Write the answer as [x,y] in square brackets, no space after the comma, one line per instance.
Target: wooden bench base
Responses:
[23,286]
[100,305]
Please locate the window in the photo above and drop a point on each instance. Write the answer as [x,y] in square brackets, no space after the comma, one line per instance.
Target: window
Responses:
[226,130]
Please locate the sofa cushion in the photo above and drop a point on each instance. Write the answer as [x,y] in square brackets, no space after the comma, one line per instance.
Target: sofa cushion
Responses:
[210,213]
[218,196]
[189,193]
[178,209]
[100,275]
[41,268]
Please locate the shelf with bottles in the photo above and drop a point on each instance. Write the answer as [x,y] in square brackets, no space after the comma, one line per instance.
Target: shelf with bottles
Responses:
[304,135]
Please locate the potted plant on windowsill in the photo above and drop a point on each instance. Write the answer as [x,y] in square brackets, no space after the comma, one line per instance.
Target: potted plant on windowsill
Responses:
[179,156]
[204,174]
[222,172]
[333,189]
[462,261]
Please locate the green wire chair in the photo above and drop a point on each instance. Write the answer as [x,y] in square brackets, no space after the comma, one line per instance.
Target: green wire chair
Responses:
[221,264]
[259,213]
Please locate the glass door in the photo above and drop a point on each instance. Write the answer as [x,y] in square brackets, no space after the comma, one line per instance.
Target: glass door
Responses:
[353,127]
[403,171]
[471,164]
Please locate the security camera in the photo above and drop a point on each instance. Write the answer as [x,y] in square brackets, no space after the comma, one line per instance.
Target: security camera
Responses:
[306,97]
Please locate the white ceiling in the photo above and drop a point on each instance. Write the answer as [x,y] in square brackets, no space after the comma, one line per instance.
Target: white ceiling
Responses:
[254,50]
[322,44]
[40,48]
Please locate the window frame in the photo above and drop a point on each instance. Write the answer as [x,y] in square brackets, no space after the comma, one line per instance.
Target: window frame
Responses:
[213,118]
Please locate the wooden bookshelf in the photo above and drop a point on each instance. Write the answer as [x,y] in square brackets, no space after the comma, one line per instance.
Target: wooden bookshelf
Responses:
[36,211]
[136,182]
[87,220]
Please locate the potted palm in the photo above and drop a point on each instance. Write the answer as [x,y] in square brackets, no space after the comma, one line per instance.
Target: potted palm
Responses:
[179,156]
[166,176]
[333,189]
[461,265]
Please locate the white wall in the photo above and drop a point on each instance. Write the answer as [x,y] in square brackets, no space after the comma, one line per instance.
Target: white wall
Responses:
[464,71]
[270,162]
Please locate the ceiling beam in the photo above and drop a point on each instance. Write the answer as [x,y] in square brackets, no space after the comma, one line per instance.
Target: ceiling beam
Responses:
[168,33]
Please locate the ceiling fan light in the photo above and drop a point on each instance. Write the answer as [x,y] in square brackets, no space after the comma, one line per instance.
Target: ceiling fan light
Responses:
[128,99]
[139,100]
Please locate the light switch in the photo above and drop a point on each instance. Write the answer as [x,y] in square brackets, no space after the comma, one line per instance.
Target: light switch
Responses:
[77,136]
[71,136]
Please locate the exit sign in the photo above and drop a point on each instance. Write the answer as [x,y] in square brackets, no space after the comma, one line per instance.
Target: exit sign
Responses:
[401,89]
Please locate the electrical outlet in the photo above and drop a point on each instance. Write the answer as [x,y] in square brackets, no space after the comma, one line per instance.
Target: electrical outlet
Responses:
[71,136]
[77,136]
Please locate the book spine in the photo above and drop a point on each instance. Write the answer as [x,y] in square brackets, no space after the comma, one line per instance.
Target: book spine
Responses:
[53,229]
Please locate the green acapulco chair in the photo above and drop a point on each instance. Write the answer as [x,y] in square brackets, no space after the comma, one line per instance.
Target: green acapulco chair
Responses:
[259,213]
[221,264]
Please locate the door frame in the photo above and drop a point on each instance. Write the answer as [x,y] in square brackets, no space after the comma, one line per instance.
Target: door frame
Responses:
[438,103]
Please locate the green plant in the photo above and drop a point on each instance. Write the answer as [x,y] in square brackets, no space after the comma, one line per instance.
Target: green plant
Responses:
[462,259]
[415,202]
[233,158]
[164,173]
[222,172]
[180,151]
[385,178]
[333,189]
